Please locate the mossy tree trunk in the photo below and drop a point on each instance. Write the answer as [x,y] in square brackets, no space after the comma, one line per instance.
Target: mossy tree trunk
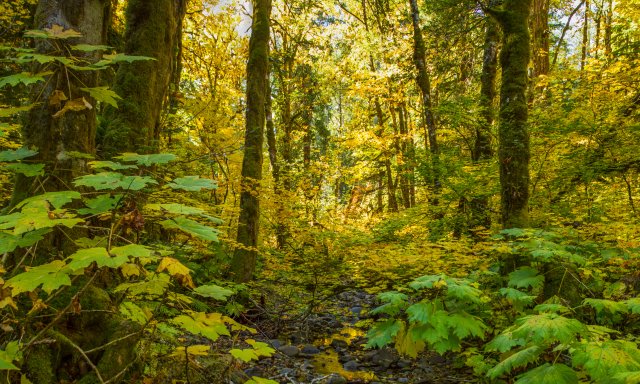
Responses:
[482,150]
[513,151]
[245,257]
[152,30]
[424,83]
[57,138]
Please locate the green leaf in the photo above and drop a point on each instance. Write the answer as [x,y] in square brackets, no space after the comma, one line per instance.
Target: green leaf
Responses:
[425,282]
[133,312]
[114,180]
[192,183]
[55,199]
[29,170]
[8,355]
[111,165]
[627,377]
[213,291]
[602,360]
[100,204]
[121,57]
[634,305]
[259,349]
[103,94]
[549,374]
[51,276]
[382,333]
[133,250]
[260,380]
[518,359]
[176,209]
[89,47]
[25,78]
[147,160]
[608,306]
[420,312]
[394,303]
[154,287]
[551,307]
[461,290]
[548,328]
[517,298]
[514,232]
[503,343]
[9,242]
[191,227]
[18,154]
[526,277]
[85,257]
[465,325]
[211,326]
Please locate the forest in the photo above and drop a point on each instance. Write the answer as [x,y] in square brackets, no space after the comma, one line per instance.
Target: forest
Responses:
[319,191]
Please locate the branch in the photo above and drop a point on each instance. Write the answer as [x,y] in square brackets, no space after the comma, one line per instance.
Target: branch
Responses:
[564,31]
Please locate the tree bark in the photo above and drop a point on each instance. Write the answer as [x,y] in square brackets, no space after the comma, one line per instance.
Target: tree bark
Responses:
[482,150]
[585,36]
[152,31]
[244,259]
[540,37]
[513,134]
[422,78]
[74,131]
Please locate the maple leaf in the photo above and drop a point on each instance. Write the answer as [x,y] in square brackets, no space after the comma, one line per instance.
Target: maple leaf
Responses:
[51,276]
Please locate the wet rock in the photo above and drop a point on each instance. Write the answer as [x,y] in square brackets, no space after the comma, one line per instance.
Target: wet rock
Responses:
[356,310]
[334,378]
[275,343]
[309,350]
[286,371]
[254,371]
[403,380]
[339,344]
[403,363]
[344,358]
[289,350]
[351,366]
[384,358]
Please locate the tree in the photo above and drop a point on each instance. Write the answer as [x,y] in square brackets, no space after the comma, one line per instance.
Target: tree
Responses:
[513,135]
[422,78]
[57,133]
[152,30]
[245,257]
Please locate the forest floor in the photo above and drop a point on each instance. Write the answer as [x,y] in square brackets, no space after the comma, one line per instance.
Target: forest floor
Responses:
[328,345]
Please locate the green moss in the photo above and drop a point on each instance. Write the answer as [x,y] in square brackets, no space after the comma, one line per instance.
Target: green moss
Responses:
[39,365]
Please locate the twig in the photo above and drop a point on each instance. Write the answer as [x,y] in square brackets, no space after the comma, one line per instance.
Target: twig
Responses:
[84,355]
[112,342]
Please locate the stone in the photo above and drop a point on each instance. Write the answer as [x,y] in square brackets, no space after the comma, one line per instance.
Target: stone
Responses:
[335,378]
[339,344]
[309,349]
[403,363]
[384,357]
[275,343]
[356,310]
[403,380]
[289,350]
[351,366]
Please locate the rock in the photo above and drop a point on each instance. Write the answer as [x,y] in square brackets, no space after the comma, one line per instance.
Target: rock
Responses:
[403,363]
[275,343]
[334,378]
[287,371]
[351,366]
[356,310]
[309,349]
[253,371]
[384,358]
[403,380]
[344,358]
[289,350]
[339,344]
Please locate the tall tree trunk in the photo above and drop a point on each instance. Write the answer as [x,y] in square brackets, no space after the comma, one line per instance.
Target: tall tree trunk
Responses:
[585,36]
[422,78]
[482,150]
[244,259]
[151,30]
[74,131]
[540,38]
[608,22]
[513,134]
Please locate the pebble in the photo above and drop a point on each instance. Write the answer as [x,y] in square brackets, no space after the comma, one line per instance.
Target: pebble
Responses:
[289,350]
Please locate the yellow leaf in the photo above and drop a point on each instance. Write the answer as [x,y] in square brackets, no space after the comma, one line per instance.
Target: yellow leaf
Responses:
[177,270]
